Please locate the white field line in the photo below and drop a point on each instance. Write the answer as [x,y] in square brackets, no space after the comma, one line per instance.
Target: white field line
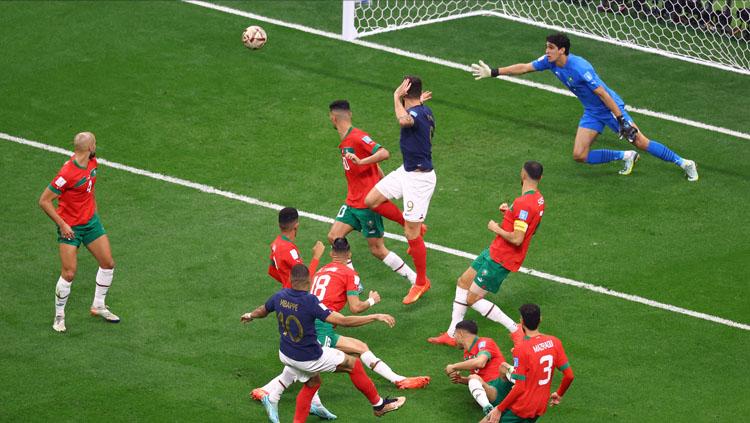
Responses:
[256,202]
[459,66]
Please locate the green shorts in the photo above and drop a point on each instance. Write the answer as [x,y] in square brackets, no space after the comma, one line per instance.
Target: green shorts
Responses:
[509,417]
[362,220]
[490,274]
[327,337]
[503,387]
[86,233]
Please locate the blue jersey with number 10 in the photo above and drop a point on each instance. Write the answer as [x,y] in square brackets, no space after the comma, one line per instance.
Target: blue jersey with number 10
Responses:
[581,79]
[296,312]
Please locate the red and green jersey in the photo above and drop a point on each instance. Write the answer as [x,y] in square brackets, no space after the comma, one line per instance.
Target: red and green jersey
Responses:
[74,184]
[524,214]
[487,347]
[284,255]
[359,178]
[333,283]
[535,360]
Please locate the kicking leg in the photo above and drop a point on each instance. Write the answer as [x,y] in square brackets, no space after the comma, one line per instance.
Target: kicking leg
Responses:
[460,305]
[661,151]
[487,308]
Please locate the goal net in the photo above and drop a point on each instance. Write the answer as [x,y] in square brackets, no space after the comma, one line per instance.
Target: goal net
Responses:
[713,33]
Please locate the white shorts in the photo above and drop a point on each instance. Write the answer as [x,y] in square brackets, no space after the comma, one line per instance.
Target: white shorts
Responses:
[304,370]
[415,187]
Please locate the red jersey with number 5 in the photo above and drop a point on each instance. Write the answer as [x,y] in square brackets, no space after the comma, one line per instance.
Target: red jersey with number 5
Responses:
[524,214]
[359,178]
[74,184]
[284,256]
[535,360]
[333,283]
[487,347]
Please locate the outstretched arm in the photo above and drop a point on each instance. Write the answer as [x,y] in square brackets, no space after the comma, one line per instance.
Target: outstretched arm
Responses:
[482,70]
[354,321]
[258,313]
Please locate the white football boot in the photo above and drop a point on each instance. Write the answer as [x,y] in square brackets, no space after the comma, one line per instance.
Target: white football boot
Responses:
[691,170]
[105,314]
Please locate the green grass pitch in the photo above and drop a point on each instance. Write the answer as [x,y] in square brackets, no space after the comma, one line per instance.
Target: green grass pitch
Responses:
[168,87]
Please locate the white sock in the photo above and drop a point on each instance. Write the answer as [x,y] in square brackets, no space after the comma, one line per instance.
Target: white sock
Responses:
[477,391]
[399,266]
[351,266]
[493,312]
[316,400]
[378,366]
[62,291]
[459,309]
[278,385]
[103,282]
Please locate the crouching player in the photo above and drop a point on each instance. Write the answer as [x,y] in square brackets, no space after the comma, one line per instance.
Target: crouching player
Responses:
[482,357]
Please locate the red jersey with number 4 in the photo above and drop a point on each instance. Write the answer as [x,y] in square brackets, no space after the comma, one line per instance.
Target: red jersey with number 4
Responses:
[359,178]
[488,347]
[284,255]
[524,214]
[333,283]
[534,360]
[74,184]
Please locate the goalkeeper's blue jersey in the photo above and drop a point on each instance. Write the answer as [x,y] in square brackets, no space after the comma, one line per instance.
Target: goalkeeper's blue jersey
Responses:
[581,79]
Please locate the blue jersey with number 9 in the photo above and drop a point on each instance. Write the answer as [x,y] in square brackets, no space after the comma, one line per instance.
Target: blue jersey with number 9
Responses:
[296,312]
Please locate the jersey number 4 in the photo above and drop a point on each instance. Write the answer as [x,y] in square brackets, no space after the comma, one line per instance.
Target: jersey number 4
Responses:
[320,284]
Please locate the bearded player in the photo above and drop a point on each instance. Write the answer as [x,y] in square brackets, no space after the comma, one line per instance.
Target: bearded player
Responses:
[601,107]
[505,255]
[360,156]
[78,223]
[415,180]
[482,357]
[534,361]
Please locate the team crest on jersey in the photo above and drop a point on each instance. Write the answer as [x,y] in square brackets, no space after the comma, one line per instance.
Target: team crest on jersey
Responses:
[523,215]
[60,182]
[367,139]
[93,173]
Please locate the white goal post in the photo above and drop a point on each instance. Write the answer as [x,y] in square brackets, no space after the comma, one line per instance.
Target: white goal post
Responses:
[713,33]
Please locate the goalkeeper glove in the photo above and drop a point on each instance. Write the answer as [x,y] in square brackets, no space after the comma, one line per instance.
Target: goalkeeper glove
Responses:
[482,70]
[626,129]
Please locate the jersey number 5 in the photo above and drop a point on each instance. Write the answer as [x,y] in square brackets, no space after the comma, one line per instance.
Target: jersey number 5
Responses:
[320,284]
[547,369]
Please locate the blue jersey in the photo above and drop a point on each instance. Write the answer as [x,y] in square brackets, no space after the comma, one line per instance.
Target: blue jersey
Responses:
[296,312]
[581,79]
[416,141]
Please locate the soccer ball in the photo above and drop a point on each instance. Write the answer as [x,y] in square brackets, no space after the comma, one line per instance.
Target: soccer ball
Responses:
[254,37]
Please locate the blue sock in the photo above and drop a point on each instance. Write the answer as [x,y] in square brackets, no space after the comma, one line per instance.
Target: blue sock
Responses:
[657,149]
[604,156]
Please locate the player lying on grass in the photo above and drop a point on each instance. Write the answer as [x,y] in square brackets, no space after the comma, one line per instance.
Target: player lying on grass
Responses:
[534,361]
[483,359]
[296,311]
[360,156]
[601,107]
[415,180]
[504,255]
[78,223]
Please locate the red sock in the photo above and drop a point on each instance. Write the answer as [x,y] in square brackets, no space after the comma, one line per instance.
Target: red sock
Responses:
[418,253]
[362,382]
[304,398]
[390,211]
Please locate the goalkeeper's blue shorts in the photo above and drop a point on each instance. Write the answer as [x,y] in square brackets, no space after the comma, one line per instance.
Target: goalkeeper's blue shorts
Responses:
[596,120]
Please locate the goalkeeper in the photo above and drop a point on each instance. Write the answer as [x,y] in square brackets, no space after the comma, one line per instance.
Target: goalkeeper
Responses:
[601,106]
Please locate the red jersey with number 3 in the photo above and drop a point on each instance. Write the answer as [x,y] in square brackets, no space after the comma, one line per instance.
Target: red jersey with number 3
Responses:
[535,360]
[284,255]
[487,347]
[333,283]
[524,214]
[74,184]
[359,178]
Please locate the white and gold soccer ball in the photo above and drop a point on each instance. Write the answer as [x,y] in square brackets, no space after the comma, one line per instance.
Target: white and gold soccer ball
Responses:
[254,37]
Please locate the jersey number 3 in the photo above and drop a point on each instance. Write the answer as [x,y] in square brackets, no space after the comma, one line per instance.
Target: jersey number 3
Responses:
[547,369]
